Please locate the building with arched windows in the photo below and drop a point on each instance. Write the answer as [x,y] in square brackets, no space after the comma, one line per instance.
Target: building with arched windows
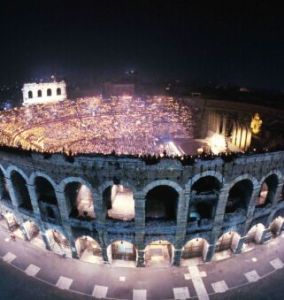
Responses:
[118,209]
[138,210]
[44,92]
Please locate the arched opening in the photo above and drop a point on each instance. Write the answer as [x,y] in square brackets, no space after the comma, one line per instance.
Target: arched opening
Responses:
[253,236]
[33,234]
[159,254]
[239,197]
[39,93]
[122,253]
[21,190]
[161,203]
[45,191]
[194,251]
[119,203]
[80,201]
[276,226]
[49,92]
[226,244]
[30,94]
[12,224]
[267,191]
[47,200]
[58,243]
[88,249]
[4,192]
[58,91]
[204,198]
[207,185]
[201,211]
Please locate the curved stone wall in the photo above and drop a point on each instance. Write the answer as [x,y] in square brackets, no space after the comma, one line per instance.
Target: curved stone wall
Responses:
[219,214]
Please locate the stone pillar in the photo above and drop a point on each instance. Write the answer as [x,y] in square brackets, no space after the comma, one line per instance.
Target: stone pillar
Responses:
[104,254]
[73,248]
[177,257]
[103,238]
[221,207]
[251,206]
[253,200]
[12,193]
[69,235]
[209,252]
[278,194]
[239,245]
[99,208]
[182,220]
[45,240]
[266,235]
[24,233]
[140,259]
[34,200]
[139,199]
[63,209]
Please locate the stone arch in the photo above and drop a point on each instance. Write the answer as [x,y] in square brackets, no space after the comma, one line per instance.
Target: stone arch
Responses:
[58,243]
[242,177]
[45,190]
[215,174]
[254,234]
[109,183]
[48,92]
[227,241]
[31,229]
[155,183]
[240,193]
[33,234]
[11,220]
[122,250]
[159,253]
[39,93]
[79,197]
[273,172]
[118,200]
[88,249]
[162,199]
[204,198]
[12,168]
[4,192]
[34,175]
[161,203]
[276,225]
[30,94]
[58,91]
[19,183]
[268,188]
[195,247]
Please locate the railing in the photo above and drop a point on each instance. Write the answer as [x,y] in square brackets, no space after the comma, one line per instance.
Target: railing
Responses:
[160,226]
[236,217]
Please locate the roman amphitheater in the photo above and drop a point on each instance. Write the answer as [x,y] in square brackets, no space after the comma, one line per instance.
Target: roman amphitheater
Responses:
[134,182]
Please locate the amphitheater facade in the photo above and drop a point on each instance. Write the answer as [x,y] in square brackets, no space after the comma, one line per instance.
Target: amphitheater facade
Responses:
[213,205]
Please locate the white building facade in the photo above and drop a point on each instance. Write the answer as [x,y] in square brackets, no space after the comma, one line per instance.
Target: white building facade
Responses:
[44,92]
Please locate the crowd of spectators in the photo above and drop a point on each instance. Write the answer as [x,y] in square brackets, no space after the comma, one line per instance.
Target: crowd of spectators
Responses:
[92,125]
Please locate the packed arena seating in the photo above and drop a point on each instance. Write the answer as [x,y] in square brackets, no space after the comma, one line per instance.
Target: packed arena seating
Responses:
[92,125]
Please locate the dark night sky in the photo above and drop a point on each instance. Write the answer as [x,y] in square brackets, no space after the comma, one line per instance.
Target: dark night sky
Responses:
[238,42]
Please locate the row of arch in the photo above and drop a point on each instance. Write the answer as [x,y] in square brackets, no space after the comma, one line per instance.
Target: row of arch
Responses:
[156,253]
[161,200]
[39,94]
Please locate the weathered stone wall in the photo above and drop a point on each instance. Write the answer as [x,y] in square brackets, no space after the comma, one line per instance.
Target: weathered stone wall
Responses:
[100,172]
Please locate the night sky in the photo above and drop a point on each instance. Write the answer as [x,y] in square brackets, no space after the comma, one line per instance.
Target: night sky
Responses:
[230,42]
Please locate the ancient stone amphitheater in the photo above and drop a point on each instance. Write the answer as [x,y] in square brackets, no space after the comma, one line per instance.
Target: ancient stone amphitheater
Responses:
[135,211]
